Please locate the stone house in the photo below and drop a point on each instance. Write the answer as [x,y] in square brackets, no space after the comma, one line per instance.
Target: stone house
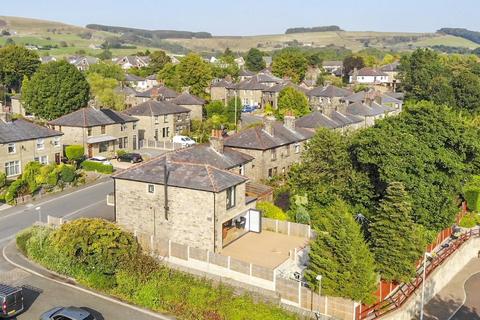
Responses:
[156,93]
[99,131]
[335,120]
[271,94]
[83,63]
[245,74]
[151,81]
[369,76]
[327,98]
[22,141]
[128,62]
[160,120]
[17,106]
[275,146]
[333,67]
[249,91]
[392,71]
[193,204]
[136,82]
[191,102]
[219,90]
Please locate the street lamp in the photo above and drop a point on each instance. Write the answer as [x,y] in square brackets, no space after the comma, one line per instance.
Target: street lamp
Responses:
[319,280]
[39,209]
[423,282]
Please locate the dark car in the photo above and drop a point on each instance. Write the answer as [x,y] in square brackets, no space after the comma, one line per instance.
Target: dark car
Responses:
[248,109]
[130,157]
[11,299]
[70,313]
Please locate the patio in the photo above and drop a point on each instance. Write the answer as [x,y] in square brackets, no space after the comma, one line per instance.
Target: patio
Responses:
[267,249]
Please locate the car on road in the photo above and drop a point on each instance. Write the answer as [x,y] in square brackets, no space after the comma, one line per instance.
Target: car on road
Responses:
[11,300]
[130,157]
[69,313]
[184,141]
[100,159]
[248,109]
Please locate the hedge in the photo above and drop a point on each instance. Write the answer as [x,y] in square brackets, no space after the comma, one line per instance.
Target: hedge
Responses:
[470,220]
[271,211]
[96,166]
[471,191]
[73,250]
[74,152]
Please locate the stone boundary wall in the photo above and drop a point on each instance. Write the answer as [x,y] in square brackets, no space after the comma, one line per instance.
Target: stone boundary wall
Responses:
[437,280]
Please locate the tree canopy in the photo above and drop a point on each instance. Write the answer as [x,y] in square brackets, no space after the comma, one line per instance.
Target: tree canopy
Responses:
[351,62]
[16,62]
[291,99]
[107,70]
[194,73]
[254,60]
[103,89]
[57,88]
[291,64]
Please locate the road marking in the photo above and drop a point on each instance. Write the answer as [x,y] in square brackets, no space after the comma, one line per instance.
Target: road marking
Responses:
[147,312]
[71,214]
[48,201]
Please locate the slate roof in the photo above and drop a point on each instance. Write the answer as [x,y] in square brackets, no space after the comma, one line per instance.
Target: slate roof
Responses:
[257,138]
[250,84]
[188,100]
[332,63]
[316,120]
[356,97]
[361,109]
[266,77]
[155,108]
[126,90]
[182,174]
[22,130]
[345,119]
[246,73]
[205,154]
[132,77]
[92,117]
[163,91]
[221,84]
[279,87]
[329,91]
[392,67]
[370,72]
[396,95]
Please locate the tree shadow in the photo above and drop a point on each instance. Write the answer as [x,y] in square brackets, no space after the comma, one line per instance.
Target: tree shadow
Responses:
[442,309]
[96,314]
[30,294]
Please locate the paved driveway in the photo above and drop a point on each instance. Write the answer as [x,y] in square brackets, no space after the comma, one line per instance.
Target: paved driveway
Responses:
[471,308]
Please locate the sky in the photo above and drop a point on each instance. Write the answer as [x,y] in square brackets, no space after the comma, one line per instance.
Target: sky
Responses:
[251,17]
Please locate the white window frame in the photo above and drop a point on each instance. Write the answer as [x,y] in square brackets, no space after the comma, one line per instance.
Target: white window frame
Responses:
[233,197]
[16,164]
[297,148]
[40,144]
[56,141]
[41,159]
[151,188]
[13,146]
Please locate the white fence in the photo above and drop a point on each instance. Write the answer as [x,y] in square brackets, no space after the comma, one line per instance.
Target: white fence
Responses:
[163,145]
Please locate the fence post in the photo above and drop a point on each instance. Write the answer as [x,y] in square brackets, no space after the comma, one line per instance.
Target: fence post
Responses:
[326,305]
[228,262]
[188,253]
[288,228]
[276,226]
[169,248]
[275,279]
[300,294]
[250,269]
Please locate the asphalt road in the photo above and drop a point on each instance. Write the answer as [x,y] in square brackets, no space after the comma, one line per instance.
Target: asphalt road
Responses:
[43,294]
[471,308]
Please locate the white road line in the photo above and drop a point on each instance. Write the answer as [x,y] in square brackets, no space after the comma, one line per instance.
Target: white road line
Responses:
[71,214]
[465,295]
[150,313]
[48,201]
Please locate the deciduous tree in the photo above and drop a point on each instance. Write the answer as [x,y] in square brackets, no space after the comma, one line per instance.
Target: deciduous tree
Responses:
[254,60]
[291,64]
[194,73]
[16,62]
[291,99]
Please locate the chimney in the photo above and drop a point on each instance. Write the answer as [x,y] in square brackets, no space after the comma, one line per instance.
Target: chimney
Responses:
[154,93]
[216,141]
[268,122]
[289,120]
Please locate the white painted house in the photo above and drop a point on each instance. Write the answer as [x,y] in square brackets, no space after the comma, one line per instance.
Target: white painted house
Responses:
[368,76]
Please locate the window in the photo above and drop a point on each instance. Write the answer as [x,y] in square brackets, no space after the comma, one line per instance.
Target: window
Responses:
[40,144]
[134,125]
[12,168]
[287,150]
[156,119]
[270,172]
[120,143]
[56,142]
[297,148]
[125,142]
[151,188]
[123,127]
[165,118]
[166,132]
[102,128]
[103,147]
[241,170]
[89,132]
[274,154]
[12,148]
[41,159]
[231,197]
[156,135]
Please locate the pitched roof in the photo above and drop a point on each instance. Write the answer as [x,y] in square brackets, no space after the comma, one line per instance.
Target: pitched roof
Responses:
[392,67]
[267,77]
[345,119]
[126,90]
[182,174]
[21,130]
[316,120]
[132,77]
[370,72]
[163,91]
[361,109]
[257,138]
[332,63]
[155,108]
[250,84]
[221,84]
[205,154]
[329,91]
[246,73]
[356,97]
[91,117]
[279,87]
[188,100]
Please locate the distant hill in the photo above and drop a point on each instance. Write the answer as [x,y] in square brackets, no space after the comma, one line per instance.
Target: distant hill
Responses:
[151,34]
[463,33]
[313,29]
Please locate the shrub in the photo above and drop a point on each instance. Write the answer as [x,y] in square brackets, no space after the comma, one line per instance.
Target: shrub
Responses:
[3,179]
[44,174]
[472,193]
[74,152]
[95,244]
[22,238]
[470,220]
[121,152]
[97,166]
[30,174]
[14,190]
[67,173]
[271,211]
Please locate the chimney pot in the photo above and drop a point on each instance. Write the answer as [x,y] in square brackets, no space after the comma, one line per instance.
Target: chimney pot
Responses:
[268,122]
[289,120]
[216,141]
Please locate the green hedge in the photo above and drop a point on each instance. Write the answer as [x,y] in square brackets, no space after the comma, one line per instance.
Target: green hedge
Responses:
[74,152]
[96,166]
[471,191]
[271,211]
[82,249]
[470,220]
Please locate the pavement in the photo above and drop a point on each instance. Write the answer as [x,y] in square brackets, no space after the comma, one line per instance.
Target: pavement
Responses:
[43,291]
[459,300]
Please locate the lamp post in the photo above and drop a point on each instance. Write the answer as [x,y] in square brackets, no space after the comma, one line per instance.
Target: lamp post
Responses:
[39,209]
[319,280]
[426,254]
[235,110]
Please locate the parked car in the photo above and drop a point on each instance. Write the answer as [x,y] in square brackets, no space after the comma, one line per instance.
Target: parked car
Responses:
[130,157]
[11,300]
[101,160]
[248,109]
[69,313]
[184,141]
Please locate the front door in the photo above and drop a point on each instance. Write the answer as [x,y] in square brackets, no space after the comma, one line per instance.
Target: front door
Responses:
[57,158]
[134,142]
[90,151]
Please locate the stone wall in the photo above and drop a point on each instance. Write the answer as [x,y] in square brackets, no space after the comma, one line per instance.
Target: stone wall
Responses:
[437,280]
